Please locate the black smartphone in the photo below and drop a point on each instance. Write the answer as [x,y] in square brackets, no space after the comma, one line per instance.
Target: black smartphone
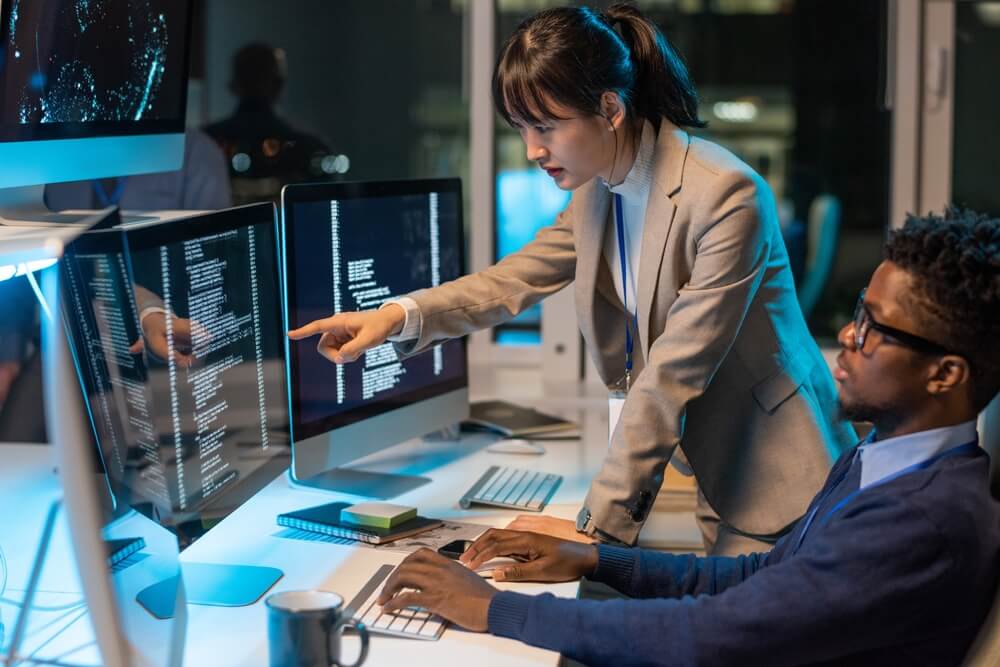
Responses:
[455,548]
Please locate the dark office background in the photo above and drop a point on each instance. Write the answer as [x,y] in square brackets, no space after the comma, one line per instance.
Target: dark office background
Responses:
[977,106]
[377,80]
[383,82]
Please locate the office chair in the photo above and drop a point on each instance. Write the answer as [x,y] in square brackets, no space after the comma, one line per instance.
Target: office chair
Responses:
[985,652]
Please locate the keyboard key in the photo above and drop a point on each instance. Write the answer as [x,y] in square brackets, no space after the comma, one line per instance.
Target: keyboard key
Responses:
[531,491]
[515,494]
[399,621]
[432,628]
[541,496]
[499,484]
[515,481]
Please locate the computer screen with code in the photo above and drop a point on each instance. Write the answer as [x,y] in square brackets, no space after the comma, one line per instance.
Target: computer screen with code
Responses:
[179,340]
[353,249]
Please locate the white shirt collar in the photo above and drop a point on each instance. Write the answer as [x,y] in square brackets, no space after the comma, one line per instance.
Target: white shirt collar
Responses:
[635,187]
[882,458]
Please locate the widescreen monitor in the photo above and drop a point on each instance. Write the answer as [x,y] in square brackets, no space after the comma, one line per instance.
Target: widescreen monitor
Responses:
[353,246]
[91,89]
[178,339]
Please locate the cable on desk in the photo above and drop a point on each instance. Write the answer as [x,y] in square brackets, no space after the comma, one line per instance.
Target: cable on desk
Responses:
[40,607]
[3,572]
[40,629]
[31,657]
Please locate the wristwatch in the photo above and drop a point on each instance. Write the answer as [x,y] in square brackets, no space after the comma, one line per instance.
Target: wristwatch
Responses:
[585,525]
[583,520]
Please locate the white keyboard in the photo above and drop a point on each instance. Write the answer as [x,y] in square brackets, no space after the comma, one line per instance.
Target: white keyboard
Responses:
[512,488]
[410,622]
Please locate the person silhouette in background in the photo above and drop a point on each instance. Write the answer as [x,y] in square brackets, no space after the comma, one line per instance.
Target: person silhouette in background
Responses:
[265,151]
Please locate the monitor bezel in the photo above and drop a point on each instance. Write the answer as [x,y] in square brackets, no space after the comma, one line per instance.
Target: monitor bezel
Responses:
[95,241]
[317,192]
[155,233]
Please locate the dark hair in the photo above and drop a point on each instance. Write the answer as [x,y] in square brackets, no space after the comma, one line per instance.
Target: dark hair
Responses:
[573,55]
[257,72]
[954,261]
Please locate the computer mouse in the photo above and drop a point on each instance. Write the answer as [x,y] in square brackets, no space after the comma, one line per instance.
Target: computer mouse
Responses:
[515,446]
[486,569]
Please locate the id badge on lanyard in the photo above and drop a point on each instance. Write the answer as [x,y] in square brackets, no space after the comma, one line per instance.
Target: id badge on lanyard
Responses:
[616,399]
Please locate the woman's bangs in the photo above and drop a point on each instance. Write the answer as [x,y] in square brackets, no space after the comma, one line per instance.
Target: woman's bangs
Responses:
[523,103]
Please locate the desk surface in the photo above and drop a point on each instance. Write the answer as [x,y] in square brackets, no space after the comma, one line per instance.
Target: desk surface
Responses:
[250,535]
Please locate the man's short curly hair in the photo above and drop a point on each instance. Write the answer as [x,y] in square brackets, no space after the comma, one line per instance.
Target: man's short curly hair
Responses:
[954,260]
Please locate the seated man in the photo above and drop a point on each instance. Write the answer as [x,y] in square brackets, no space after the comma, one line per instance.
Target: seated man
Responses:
[897,558]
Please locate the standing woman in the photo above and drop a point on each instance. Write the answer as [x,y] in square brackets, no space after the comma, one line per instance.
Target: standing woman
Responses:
[683,289]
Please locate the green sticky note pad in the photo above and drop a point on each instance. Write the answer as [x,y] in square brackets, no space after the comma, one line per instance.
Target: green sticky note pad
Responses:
[377,515]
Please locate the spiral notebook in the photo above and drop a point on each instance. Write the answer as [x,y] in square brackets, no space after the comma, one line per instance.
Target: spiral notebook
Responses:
[325,519]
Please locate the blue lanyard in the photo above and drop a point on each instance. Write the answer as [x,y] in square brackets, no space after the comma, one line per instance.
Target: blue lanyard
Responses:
[967,448]
[629,343]
[102,197]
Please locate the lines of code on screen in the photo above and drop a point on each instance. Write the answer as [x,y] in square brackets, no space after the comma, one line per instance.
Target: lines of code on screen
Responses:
[356,254]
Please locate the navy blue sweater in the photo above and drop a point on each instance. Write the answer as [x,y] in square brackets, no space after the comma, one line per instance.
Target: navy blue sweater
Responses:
[903,574]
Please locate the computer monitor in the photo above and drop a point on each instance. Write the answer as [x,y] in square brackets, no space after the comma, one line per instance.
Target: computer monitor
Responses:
[89,90]
[178,339]
[352,246]
[122,638]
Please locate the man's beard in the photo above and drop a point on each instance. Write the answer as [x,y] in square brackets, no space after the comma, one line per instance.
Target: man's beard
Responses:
[885,417]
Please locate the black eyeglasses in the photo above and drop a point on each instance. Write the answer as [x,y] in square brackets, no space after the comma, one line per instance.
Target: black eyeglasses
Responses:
[864,322]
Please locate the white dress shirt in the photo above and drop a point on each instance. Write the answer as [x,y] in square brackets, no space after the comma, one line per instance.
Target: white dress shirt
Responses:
[634,191]
[882,458]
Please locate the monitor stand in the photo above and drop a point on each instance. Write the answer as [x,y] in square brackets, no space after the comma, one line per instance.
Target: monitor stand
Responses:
[363,483]
[25,207]
[211,585]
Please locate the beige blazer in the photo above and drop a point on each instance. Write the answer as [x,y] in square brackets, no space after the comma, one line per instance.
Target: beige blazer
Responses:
[726,367]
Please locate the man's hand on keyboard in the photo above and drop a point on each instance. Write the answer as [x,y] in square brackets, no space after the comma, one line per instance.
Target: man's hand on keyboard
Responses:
[564,529]
[441,586]
[545,558]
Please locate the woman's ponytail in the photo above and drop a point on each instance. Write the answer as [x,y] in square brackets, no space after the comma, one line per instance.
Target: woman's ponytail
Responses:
[570,56]
[662,84]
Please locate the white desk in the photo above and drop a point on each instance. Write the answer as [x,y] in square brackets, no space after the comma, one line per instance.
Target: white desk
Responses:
[28,487]
[238,636]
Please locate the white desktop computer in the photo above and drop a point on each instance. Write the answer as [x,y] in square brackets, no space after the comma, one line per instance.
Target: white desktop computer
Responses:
[353,246]
[87,90]
[176,332]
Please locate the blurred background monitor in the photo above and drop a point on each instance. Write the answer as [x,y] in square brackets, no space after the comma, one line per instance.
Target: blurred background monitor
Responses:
[526,201]
[88,90]
[353,246]
[177,336]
